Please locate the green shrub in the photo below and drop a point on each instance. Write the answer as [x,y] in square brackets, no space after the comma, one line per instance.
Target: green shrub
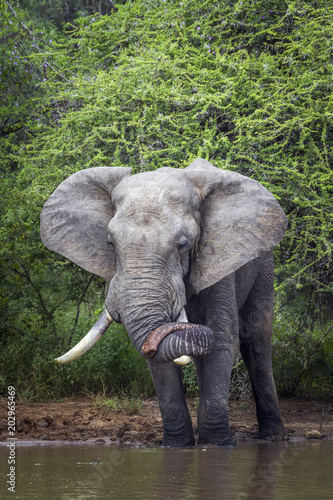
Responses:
[302,359]
[111,366]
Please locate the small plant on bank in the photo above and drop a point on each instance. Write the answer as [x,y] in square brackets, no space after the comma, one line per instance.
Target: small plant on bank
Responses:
[128,405]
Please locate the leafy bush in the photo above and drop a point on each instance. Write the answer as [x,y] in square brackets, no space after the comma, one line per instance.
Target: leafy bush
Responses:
[302,359]
[112,366]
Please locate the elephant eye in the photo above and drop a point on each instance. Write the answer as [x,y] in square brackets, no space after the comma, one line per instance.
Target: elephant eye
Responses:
[110,243]
[182,243]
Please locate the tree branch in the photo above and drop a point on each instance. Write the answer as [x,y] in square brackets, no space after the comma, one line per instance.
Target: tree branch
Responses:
[37,46]
[27,276]
[78,309]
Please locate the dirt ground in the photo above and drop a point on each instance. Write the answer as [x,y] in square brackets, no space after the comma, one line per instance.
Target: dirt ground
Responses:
[79,419]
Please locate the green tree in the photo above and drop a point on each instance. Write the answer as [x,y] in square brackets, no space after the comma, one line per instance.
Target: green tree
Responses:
[246,86]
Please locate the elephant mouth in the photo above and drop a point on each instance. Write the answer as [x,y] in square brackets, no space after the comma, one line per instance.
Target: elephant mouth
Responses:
[197,339]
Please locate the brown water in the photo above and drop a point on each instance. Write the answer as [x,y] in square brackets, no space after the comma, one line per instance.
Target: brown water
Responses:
[269,471]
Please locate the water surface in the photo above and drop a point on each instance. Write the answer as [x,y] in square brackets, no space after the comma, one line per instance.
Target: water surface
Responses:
[279,471]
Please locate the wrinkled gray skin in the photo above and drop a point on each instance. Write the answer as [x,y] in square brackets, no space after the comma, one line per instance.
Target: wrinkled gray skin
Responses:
[199,238]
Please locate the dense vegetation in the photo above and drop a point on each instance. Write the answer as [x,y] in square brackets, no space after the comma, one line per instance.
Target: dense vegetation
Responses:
[247,85]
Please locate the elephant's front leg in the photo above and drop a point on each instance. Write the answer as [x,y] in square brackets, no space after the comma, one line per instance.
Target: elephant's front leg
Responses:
[213,412]
[177,424]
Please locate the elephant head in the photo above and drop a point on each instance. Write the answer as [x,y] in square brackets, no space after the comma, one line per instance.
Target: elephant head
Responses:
[159,237]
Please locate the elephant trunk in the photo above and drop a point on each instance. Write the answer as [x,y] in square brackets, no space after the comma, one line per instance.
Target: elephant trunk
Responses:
[148,308]
[186,339]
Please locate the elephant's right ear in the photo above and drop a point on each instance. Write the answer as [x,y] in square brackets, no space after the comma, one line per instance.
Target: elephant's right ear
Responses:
[75,218]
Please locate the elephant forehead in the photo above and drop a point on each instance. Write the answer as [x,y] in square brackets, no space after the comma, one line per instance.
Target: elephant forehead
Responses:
[153,190]
[153,218]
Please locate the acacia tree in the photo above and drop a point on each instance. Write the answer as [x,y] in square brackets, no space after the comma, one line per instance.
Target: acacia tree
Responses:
[247,87]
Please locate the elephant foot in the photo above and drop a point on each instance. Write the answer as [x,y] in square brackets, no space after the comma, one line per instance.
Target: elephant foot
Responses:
[177,432]
[219,440]
[173,442]
[272,430]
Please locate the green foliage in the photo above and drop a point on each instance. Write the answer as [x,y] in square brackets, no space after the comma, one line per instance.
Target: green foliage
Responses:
[250,89]
[112,366]
[60,12]
[20,77]
[302,358]
[246,85]
[190,380]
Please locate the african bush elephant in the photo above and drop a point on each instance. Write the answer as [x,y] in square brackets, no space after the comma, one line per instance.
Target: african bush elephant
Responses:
[174,242]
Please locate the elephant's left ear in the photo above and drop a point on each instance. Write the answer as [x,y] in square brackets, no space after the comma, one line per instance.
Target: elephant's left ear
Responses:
[75,218]
[240,219]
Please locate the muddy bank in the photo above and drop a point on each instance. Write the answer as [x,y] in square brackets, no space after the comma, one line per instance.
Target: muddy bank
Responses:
[78,419]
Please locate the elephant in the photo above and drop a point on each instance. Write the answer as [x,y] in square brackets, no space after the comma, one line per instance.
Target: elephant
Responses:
[188,253]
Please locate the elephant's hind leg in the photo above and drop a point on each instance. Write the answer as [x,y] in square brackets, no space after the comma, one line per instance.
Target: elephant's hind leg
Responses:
[213,371]
[255,346]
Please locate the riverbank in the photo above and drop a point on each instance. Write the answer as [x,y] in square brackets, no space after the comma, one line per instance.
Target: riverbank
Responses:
[84,419]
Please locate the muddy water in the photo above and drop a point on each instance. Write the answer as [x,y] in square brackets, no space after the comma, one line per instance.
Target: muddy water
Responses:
[269,471]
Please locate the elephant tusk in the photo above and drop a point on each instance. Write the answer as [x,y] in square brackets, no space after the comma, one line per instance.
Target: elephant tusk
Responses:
[100,327]
[182,360]
[108,315]
[182,318]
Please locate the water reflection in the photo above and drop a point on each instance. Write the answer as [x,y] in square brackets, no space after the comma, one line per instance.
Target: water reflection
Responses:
[270,471]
